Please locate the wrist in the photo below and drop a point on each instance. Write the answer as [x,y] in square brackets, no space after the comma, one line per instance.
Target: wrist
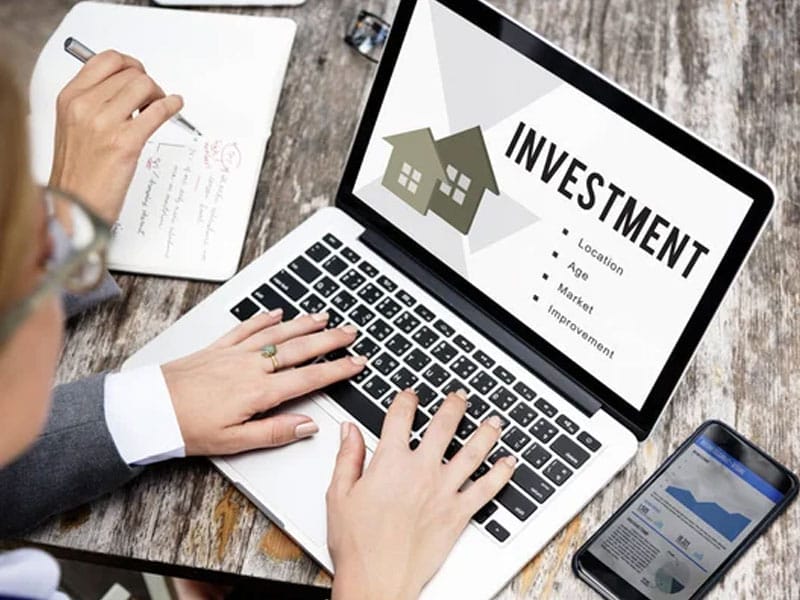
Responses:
[370,584]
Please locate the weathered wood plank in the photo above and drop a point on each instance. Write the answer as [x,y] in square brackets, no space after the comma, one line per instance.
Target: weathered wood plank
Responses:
[725,69]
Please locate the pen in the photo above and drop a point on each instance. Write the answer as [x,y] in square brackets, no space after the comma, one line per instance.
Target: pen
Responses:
[83,54]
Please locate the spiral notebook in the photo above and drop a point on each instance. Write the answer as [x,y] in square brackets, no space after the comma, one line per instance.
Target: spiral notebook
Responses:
[187,209]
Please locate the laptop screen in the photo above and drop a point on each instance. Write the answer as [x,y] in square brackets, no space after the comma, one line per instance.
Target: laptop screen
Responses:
[594,234]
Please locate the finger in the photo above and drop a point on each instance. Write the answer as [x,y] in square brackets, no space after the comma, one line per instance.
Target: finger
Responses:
[287,385]
[286,331]
[302,349]
[271,432]
[397,425]
[349,462]
[474,451]
[443,426]
[138,92]
[102,66]
[154,116]
[485,488]
[249,327]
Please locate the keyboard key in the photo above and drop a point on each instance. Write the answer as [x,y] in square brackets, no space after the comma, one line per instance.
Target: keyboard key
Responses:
[543,430]
[524,391]
[304,269]
[363,375]
[425,337]
[404,379]
[288,285]
[433,408]
[376,387]
[332,240]
[444,328]
[463,367]
[335,266]
[366,347]
[413,444]
[420,419]
[361,315]
[503,419]
[465,428]
[515,502]
[425,394]
[344,301]
[453,386]
[503,375]
[352,279]
[326,286]
[245,309]
[483,383]
[482,470]
[407,322]
[537,456]
[312,304]
[501,452]
[387,283]
[317,252]
[547,408]
[485,512]
[270,299]
[557,472]
[588,441]
[486,361]
[388,308]
[533,485]
[358,405]
[417,359]
[405,298]
[424,312]
[523,414]
[516,439]
[502,398]
[398,345]
[385,364]
[444,352]
[351,255]
[476,407]
[436,375]
[464,343]
[334,319]
[452,449]
[387,401]
[568,450]
[498,531]
[370,293]
[380,330]
[337,354]
[368,269]
[566,424]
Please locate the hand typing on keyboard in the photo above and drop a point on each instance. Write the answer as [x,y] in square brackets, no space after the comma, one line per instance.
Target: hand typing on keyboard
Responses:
[391,527]
[217,391]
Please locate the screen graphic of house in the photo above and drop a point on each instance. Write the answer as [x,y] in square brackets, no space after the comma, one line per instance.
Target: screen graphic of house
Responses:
[448,176]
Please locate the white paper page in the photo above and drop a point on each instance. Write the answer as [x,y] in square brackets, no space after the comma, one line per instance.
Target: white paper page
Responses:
[188,206]
[229,2]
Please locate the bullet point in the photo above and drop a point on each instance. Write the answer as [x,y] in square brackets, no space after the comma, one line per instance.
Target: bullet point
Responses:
[536,298]
[545,276]
[565,231]
[555,254]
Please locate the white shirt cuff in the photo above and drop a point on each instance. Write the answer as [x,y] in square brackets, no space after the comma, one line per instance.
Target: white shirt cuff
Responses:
[140,416]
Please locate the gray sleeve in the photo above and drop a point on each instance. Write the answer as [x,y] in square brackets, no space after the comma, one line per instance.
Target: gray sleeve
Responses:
[76,304]
[74,461]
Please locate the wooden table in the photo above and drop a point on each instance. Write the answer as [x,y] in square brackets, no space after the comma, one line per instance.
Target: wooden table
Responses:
[725,69]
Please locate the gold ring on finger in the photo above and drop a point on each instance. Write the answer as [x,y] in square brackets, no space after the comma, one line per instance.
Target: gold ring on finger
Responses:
[270,351]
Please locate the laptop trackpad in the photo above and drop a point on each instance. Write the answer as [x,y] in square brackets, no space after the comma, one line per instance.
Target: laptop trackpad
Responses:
[291,482]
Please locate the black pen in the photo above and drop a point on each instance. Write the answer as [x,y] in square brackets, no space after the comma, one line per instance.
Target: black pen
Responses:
[83,54]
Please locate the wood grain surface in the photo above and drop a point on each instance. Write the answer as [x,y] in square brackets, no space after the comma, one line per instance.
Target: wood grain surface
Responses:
[726,69]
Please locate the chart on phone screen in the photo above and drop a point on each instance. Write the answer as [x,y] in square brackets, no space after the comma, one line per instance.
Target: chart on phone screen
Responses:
[675,535]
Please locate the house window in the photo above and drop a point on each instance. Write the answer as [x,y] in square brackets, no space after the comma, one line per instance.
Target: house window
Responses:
[456,186]
[409,178]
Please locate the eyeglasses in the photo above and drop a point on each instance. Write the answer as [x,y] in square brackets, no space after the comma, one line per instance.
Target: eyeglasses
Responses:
[77,264]
[367,35]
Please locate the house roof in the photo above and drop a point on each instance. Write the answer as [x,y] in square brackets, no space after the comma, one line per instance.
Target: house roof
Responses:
[467,149]
[419,144]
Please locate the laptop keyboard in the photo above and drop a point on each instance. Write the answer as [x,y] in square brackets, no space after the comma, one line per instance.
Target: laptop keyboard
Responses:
[409,346]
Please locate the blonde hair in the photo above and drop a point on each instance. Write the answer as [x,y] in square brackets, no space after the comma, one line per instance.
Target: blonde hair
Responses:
[15,187]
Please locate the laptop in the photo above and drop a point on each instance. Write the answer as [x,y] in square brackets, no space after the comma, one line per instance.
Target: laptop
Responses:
[511,223]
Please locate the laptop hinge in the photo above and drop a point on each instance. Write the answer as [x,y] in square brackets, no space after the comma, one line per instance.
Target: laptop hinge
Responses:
[482,321]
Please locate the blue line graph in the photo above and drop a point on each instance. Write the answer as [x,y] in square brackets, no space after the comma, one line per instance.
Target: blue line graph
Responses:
[728,525]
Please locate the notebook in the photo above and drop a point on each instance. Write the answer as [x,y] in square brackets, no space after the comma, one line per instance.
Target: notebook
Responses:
[188,207]
[229,2]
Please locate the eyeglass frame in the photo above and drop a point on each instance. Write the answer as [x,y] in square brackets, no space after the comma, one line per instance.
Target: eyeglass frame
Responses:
[55,280]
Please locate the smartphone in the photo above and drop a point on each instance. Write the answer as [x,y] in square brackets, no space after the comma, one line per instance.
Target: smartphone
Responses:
[689,522]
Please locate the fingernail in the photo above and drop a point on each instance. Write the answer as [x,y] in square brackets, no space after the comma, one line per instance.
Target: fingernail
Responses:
[275,312]
[344,430]
[511,461]
[462,394]
[351,329]
[495,421]
[320,317]
[305,430]
[359,360]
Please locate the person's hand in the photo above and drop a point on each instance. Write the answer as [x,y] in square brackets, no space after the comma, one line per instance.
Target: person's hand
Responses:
[390,529]
[218,390]
[98,141]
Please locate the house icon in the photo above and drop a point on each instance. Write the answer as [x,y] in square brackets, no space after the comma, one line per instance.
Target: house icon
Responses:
[448,176]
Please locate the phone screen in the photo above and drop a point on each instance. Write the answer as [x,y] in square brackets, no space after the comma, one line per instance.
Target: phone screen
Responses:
[681,528]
